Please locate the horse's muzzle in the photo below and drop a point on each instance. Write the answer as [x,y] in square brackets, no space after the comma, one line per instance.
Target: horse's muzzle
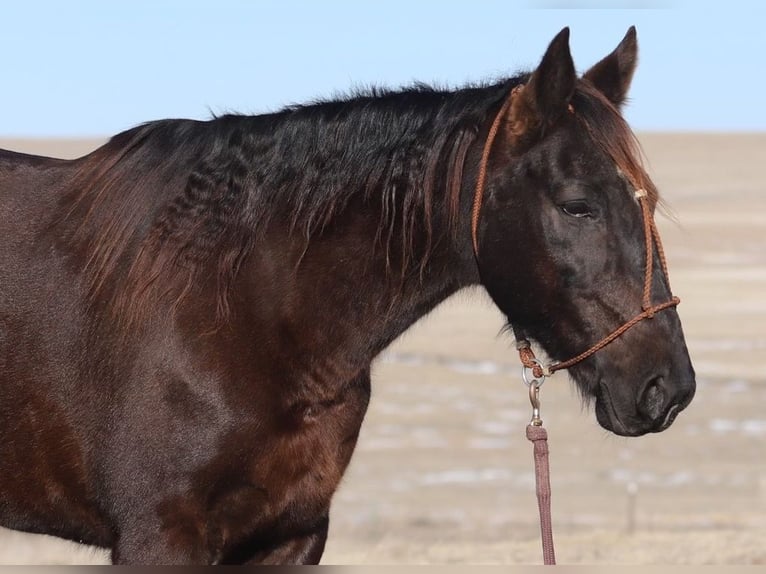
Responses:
[657,406]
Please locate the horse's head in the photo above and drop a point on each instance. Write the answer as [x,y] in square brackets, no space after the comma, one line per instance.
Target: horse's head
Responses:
[561,239]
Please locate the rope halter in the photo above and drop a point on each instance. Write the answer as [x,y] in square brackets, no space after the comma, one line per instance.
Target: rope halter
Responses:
[652,240]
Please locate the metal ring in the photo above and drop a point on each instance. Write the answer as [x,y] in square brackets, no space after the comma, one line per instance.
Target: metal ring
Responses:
[533,380]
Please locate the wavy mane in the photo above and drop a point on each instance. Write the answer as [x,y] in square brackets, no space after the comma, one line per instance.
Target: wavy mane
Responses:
[159,203]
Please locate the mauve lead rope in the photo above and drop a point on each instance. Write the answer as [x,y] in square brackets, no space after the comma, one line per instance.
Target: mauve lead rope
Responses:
[539,437]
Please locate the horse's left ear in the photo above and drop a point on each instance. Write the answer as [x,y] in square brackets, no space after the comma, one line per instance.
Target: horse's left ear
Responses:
[612,75]
[537,105]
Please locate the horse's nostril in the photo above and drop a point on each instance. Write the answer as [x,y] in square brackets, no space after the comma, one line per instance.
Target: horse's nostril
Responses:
[652,401]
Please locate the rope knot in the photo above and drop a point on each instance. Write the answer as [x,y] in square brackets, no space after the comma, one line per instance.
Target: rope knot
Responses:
[528,359]
[536,433]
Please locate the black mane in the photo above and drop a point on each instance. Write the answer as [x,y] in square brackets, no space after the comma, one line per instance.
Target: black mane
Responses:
[161,198]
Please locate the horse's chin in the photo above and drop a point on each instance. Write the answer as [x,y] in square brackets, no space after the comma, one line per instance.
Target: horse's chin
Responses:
[608,417]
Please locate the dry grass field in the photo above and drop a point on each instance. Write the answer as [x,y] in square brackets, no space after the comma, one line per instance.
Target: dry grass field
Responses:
[443,473]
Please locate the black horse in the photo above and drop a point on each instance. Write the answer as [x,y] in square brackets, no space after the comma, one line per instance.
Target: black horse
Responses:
[188,314]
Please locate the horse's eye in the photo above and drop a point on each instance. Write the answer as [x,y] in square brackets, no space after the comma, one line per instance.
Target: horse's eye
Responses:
[577,208]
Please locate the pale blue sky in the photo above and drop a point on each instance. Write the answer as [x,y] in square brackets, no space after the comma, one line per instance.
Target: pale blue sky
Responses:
[95,67]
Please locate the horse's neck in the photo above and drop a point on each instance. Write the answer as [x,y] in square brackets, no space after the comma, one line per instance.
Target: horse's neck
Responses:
[384,260]
[343,295]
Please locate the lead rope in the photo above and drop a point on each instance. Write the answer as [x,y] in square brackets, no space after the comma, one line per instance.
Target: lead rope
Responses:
[539,437]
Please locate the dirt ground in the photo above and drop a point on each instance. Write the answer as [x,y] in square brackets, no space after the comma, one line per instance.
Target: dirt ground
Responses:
[443,473]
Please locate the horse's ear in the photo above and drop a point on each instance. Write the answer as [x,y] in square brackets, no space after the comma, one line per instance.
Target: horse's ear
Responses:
[612,75]
[546,95]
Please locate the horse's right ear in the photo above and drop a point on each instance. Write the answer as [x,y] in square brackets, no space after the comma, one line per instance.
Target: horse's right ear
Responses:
[613,74]
[545,97]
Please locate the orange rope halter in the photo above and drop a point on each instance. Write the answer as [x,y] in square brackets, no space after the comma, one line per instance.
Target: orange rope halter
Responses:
[651,237]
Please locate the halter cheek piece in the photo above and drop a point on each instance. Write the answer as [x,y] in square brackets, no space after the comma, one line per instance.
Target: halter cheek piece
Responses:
[652,240]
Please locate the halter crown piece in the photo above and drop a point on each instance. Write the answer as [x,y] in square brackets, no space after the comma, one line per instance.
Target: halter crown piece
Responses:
[651,237]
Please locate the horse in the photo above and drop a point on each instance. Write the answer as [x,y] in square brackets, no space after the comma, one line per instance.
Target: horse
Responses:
[189,313]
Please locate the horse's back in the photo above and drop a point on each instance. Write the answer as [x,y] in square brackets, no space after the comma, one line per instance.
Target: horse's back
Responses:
[31,188]
[40,326]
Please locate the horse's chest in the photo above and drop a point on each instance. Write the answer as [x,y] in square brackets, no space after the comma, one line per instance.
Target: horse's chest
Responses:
[292,471]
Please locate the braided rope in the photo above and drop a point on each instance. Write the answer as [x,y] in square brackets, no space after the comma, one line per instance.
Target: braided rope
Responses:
[481,178]
[651,240]
[648,237]
[539,438]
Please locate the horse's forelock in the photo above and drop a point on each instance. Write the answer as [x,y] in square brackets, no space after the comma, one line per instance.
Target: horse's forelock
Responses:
[613,135]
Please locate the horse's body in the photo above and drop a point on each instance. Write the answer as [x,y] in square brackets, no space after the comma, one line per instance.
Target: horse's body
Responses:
[263,415]
[189,314]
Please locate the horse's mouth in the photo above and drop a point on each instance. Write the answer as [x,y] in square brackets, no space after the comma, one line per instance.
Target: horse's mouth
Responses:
[669,418]
[608,417]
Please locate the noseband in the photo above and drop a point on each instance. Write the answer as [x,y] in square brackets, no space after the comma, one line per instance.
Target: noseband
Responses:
[651,237]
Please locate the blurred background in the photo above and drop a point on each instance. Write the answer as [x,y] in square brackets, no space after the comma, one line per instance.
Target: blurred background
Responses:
[443,473]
